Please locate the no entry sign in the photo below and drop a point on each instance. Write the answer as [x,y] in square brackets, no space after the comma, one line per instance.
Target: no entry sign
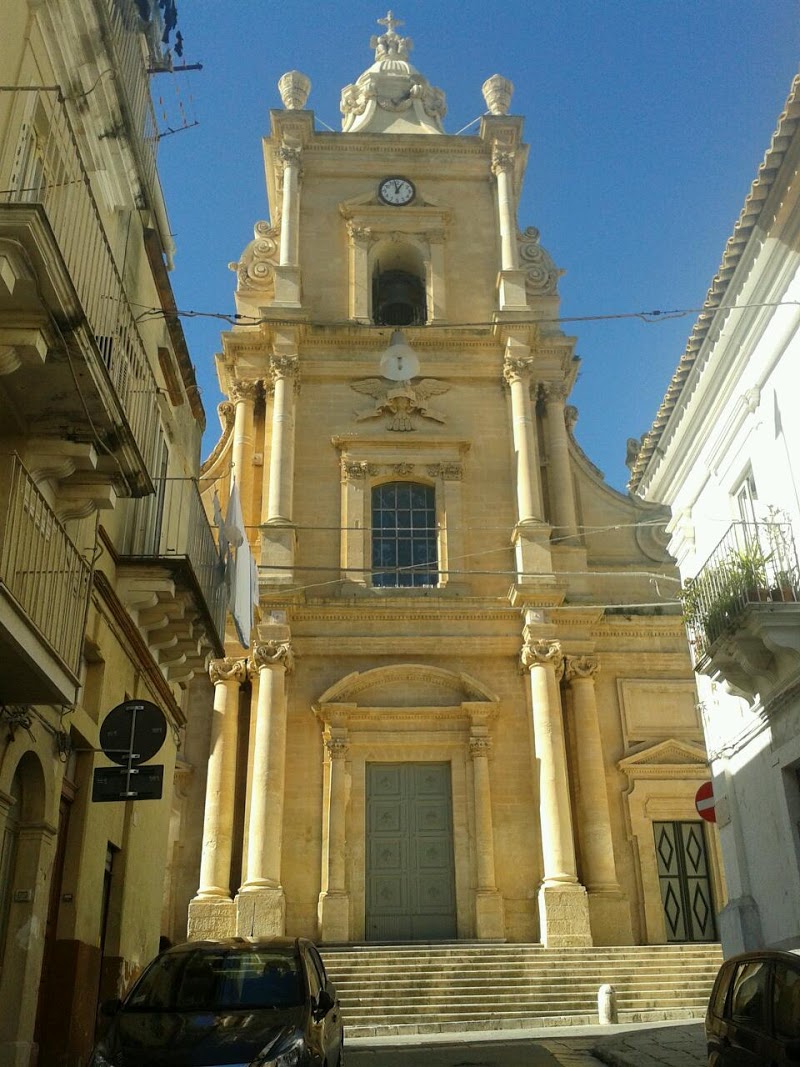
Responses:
[704,802]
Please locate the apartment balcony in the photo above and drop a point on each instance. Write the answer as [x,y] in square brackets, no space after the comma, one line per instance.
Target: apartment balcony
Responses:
[44,594]
[72,358]
[742,610]
[171,578]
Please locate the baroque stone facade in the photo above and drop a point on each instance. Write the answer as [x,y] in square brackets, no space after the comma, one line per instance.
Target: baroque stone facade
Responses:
[467,672]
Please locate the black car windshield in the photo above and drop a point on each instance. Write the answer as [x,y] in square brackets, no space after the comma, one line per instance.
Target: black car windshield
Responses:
[219,979]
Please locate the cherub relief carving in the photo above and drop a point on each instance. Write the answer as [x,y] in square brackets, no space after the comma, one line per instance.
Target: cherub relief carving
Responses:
[400,400]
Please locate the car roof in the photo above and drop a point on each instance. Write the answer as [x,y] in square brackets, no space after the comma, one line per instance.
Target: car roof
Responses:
[241,944]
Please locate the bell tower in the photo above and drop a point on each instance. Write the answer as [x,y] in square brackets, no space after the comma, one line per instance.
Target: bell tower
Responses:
[427,745]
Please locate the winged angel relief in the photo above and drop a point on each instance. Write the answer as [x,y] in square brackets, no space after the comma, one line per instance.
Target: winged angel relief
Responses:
[400,400]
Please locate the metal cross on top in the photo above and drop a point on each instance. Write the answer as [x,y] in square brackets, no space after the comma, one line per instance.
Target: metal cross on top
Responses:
[390,22]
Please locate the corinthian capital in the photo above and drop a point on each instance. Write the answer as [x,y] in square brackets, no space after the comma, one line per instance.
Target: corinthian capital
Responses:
[554,392]
[272,654]
[502,162]
[581,667]
[289,156]
[517,368]
[337,747]
[227,670]
[283,367]
[480,746]
[541,653]
[245,389]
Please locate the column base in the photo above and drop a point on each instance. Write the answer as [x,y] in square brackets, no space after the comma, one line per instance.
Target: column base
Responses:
[511,291]
[261,912]
[287,286]
[610,917]
[278,544]
[334,917]
[211,920]
[564,916]
[489,918]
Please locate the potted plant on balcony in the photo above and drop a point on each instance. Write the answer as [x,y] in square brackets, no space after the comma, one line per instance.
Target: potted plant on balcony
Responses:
[784,587]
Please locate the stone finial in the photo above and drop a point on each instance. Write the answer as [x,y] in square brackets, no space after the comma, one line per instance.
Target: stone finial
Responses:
[497,92]
[294,88]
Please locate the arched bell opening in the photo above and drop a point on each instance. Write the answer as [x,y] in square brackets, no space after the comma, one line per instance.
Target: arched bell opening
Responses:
[399,295]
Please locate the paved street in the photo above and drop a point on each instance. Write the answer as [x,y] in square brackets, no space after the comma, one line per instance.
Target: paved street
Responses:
[644,1045]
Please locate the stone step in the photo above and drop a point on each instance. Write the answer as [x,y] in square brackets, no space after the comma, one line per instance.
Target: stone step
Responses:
[396,989]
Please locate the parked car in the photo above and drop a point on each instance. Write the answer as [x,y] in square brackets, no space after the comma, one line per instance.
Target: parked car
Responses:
[753,1015]
[239,1002]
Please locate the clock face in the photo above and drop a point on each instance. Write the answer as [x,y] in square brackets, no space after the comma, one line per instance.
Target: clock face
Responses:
[396,191]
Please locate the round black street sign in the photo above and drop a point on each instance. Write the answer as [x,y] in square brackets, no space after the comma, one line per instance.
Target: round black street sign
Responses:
[134,730]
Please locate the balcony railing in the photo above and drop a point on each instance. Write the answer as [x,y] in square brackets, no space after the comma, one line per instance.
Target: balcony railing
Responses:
[754,563]
[41,568]
[171,527]
[49,171]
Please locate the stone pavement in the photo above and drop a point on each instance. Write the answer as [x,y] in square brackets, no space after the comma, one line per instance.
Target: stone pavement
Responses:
[659,1044]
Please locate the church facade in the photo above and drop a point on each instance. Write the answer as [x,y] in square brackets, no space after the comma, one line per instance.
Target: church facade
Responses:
[461,711]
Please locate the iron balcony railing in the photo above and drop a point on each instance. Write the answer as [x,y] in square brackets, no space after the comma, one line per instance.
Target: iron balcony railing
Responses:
[170,527]
[754,563]
[126,40]
[48,170]
[40,567]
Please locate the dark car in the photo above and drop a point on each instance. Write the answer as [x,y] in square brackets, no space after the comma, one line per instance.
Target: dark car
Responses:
[234,1003]
[753,1017]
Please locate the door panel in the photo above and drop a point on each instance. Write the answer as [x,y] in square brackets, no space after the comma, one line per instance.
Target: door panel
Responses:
[409,880]
[684,881]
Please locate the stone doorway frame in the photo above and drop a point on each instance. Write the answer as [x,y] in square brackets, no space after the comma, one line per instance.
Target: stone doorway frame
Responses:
[389,714]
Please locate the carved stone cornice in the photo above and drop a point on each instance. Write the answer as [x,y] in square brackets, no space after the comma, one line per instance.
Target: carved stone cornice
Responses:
[517,369]
[403,469]
[356,470]
[228,669]
[541,653]
[581,667]
[450,472]
[270,654]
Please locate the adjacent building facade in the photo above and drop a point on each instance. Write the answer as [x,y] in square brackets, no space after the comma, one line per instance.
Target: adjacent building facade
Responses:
[109,583]
[724,454]
[463,711]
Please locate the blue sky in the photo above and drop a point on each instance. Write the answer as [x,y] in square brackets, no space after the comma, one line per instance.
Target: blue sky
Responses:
[647,121]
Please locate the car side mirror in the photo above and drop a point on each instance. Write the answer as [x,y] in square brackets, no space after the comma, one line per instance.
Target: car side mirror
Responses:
[324,1003]
[110,1007]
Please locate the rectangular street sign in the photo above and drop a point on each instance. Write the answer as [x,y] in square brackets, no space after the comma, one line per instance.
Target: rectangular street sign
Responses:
[113,783]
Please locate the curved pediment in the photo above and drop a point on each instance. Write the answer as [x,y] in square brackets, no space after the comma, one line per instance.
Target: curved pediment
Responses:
[407,685]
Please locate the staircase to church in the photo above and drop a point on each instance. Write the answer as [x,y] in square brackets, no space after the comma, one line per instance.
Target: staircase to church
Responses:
[455,986]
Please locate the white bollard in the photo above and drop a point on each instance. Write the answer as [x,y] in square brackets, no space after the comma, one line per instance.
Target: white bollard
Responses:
[607,1004]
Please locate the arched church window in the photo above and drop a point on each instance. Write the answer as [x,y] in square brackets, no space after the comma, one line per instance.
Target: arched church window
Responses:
[404,535]
[398,286]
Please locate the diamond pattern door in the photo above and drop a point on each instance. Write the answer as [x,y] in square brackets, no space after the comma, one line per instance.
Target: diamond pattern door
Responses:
[684,881]
[410,892]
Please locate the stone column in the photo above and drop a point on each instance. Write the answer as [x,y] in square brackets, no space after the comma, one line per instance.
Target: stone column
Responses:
[277,532]
[517,373]
[283,369]
[489,922]
[563,905]
[360,241]
[511,280]
[243,394]
[562,492]
[290,204]
[212,912]
[608,908]
[503,170]
[261,902]
[334,900]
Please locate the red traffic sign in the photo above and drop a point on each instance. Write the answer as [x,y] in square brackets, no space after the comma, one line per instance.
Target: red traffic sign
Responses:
[704,802]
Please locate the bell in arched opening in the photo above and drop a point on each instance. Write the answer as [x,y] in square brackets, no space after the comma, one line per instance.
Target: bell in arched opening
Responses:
[398,298]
